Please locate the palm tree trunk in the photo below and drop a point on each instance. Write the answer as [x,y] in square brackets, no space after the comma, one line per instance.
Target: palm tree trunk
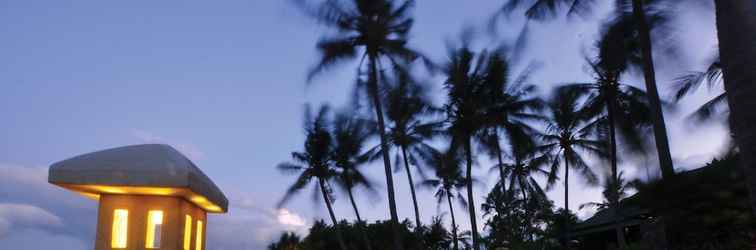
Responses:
[470,196]
[566,185]
[412,187]
[414,198]
[373,92]
[359,220]
[454,222]
[566,238]
[657,115]
[736,28]
[333,216]
[528,226]
[502,175]
[615,173]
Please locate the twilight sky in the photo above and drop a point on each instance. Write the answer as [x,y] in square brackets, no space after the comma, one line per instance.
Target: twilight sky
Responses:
[224,83]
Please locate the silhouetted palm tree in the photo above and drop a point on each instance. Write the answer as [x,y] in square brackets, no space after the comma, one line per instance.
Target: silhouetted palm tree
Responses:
[448,182]
[690,82]
[314,163]
[614,189]
[541,10]
[288,241]
[466,113]
[510,104]
[350,135]
[623,109]
[406,107]
[437,237]
[567,134]
[635,19]
[527,162]
[736,32]
[375,30]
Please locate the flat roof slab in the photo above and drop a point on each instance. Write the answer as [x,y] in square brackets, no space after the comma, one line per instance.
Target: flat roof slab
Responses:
[146,165]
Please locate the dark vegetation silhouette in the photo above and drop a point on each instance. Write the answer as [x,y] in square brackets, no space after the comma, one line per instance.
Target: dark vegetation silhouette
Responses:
[315,164]
[588,126]
[411,127]
[448,183]
[372,30]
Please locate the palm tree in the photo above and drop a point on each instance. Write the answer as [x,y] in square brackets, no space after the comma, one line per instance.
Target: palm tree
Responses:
[448,182]
[510,105]
[644,19]
[623,109]
[375,30]
[527,162]
[287,241]
[736,31]
[437,237]
[712,77]
[314,163]
[635,19]
[567,134]
[541,10]
[350,135]
[408,132]
[466,113]
[614,189]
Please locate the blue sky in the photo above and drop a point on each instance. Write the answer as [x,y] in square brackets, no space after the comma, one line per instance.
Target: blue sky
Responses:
[224,82]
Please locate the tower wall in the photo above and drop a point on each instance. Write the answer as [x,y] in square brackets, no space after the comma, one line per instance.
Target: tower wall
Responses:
[171,233]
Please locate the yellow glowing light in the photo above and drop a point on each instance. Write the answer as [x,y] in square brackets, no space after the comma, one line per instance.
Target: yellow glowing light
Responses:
[94,191]
[213,208]
[198,243]
[187,232]
[120,228]
[112,190]
[154,224]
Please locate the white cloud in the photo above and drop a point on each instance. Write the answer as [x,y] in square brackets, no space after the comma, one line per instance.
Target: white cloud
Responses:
[190,150]
[41,239]
[31,208]
[14,216]
[288,218]
[249,225]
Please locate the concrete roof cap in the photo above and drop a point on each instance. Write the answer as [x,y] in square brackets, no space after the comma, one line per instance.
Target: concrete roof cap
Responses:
[147,165]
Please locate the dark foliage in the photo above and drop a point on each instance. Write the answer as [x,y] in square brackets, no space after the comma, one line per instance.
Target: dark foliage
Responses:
[709,203]
[321,236]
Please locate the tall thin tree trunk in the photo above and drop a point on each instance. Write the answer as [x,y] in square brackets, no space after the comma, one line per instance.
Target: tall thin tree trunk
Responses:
[566,184]
[528,227]
[414,198]
[336,226]
[566,201]
[620,232]
[736,28]
[657,115]
[470,196]
[502,175]
[454,222]
[412,187]
[365,238]
[373,92]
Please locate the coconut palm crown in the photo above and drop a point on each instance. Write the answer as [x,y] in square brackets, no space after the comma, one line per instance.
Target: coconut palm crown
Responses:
[375,30]
[314,164]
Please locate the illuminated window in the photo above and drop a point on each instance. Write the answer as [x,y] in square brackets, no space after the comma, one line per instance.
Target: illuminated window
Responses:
[120,228]
[154,223]
[187,232]
[198,243]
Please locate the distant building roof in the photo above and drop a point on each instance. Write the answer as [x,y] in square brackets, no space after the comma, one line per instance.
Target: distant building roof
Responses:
[630,213]
[149,169]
